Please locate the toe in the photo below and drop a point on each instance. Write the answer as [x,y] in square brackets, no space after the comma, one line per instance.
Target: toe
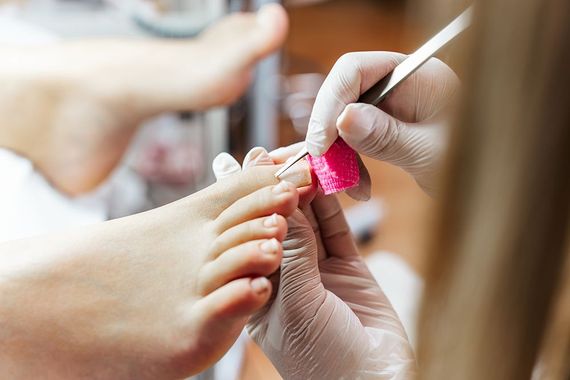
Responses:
[220,317]
[237,299]
[281,199]
[225,192]
[254,258]
[248,37]
[274,226]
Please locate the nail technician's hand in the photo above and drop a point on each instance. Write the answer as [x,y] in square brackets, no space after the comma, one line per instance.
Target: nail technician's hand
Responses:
[328,304]
[404,131]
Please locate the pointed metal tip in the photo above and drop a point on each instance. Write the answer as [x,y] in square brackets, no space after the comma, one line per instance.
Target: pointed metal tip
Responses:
[298,157]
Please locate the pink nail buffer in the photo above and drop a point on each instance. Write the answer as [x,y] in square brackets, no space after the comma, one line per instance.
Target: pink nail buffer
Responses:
[337,169]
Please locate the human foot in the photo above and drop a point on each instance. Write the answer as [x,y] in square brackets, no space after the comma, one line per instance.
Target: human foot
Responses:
[73,107]
[222,60]
[161,294]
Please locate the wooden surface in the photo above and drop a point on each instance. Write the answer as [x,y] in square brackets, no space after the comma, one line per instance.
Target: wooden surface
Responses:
[319,35]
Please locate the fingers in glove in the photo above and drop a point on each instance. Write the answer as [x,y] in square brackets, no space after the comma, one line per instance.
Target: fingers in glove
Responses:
[352,74]
[363,191]
[424,94]
[257,156]
[335,232]
[307,210]
[224,165]
[378,135]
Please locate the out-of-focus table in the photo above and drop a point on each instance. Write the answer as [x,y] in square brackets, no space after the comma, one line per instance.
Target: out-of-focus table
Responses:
[320,34]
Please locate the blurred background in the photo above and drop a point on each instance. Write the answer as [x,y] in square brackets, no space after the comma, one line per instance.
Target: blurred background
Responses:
[171,154]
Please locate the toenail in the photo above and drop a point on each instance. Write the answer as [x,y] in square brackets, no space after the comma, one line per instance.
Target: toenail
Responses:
[282,187]
[270,246]
[260,285]
[298,175]
[270,221]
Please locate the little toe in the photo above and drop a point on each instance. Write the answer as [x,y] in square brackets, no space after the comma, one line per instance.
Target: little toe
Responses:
[221,316]
[254,258]
[233,303]
[282,199]
[273,226]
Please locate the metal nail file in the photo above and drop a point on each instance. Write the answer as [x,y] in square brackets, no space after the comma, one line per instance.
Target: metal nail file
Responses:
[414,61]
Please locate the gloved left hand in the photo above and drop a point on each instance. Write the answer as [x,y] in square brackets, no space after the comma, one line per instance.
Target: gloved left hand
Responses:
[408,128]
[329,319]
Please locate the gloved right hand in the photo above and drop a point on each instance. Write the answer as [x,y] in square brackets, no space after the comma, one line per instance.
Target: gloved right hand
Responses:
[329,318]
[407,128]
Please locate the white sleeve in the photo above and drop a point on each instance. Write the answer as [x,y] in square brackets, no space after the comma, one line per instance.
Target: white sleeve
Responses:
[16,31]
[29,205]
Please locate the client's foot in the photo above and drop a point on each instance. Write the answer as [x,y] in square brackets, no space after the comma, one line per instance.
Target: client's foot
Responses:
[161,294]
[73,107]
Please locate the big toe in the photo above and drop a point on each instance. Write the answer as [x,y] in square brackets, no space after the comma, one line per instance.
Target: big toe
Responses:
[253,35]
[223,194]
[273,25]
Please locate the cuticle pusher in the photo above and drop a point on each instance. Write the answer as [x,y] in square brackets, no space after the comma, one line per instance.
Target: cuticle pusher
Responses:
[414,61]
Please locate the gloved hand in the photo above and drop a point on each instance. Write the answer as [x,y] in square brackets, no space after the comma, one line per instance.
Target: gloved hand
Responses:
[407,128]
[329,318]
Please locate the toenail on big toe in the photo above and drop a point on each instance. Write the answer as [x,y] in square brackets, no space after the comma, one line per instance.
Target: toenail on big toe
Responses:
[299,174]
[260,285]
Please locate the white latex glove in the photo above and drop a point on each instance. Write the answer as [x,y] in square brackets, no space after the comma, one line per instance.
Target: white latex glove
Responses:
[403,131]
[329,318]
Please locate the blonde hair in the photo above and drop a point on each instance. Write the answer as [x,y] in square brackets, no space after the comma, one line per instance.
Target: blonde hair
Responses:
[494,294]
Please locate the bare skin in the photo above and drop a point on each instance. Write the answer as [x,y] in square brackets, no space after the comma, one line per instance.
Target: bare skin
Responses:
[162,294]
[72,107]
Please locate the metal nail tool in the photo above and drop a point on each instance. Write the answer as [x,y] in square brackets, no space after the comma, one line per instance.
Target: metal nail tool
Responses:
[414,61]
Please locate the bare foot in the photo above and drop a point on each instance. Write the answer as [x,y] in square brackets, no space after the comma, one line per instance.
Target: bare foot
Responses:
[72,108]
[162,294]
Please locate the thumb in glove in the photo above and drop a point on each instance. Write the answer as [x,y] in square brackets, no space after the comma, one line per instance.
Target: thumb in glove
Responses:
[415,147]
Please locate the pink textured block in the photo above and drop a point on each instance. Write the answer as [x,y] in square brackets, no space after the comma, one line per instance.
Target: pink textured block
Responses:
[337,169]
